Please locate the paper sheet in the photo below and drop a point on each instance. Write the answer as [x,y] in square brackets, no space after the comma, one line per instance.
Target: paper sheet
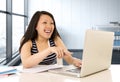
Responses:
[41,68]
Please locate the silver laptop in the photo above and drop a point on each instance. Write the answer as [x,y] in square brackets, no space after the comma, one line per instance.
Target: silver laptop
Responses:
[97,54]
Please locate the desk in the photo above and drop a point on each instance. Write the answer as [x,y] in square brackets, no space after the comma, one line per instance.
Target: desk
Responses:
[110,75]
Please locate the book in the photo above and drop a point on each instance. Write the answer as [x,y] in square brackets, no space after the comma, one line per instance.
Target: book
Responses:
[7,70]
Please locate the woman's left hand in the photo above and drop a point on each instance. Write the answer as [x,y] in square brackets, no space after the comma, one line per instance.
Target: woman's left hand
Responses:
[77,62]
[72,60]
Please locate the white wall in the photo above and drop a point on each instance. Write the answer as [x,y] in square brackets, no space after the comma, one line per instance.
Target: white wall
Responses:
[73,17]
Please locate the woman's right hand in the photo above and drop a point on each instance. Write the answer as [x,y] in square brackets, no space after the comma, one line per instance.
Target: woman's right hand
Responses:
[58,50]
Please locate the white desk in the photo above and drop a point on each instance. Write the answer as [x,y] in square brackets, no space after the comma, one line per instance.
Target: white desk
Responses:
[110,75]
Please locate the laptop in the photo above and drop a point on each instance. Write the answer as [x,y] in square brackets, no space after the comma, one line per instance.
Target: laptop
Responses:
[97,54]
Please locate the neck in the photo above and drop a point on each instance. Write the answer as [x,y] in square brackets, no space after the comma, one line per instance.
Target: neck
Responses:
[42,40]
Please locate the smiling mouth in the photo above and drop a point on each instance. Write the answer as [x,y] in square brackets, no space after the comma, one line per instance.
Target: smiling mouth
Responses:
[47,31]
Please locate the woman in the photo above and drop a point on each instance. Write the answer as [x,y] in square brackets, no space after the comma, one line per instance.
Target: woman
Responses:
[41,43]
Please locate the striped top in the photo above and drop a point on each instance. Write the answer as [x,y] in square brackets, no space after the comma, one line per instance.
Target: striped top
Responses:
[50,59]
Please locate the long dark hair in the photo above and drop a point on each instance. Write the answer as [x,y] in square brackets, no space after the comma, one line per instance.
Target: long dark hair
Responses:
[31,32]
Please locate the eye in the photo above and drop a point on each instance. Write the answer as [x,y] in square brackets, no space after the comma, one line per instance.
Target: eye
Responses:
[44,22]
[52,23]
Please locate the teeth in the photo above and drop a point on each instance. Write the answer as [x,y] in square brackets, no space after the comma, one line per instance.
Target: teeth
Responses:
[47,31]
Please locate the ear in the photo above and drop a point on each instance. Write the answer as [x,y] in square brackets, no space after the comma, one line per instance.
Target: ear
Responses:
[36,27]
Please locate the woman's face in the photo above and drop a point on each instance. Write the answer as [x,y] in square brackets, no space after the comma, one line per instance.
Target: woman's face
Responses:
[45,26]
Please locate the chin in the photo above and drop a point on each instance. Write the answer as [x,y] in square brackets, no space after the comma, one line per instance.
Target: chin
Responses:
[48,37]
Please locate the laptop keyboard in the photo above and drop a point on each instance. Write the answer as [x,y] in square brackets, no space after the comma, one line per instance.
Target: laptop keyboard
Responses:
[76,70]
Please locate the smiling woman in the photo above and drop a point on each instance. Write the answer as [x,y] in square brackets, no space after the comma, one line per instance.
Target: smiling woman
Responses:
[41,43]
[47,22]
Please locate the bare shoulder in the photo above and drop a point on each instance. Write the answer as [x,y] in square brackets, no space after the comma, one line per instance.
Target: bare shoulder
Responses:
[59,42]
[29,42]
[27,45]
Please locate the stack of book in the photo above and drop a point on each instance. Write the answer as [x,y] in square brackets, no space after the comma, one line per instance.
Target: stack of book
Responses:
[7,70]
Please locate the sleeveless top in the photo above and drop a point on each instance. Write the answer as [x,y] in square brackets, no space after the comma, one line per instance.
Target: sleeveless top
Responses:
[50,59]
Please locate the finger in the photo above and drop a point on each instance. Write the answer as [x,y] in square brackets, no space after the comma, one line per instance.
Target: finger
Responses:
[67,52]
[55,51]
[77,62]
[60,52]
[78,65]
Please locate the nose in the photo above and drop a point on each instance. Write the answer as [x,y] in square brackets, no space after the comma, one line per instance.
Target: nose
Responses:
[49,25]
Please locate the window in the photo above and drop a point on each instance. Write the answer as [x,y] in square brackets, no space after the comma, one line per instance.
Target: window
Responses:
[13,19]
[2,36]
[3,5]
[17,31]
[18,9]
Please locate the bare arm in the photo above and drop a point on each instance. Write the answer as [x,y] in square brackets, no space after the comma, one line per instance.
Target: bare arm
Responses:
[29,60]
[67,55]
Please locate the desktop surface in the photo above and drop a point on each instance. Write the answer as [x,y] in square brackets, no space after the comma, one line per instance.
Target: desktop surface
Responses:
[110,75]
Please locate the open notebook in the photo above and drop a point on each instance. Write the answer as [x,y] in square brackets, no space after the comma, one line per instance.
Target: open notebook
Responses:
[41,68]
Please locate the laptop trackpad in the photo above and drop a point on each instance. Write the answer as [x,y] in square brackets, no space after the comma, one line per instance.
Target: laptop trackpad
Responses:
[75,70]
